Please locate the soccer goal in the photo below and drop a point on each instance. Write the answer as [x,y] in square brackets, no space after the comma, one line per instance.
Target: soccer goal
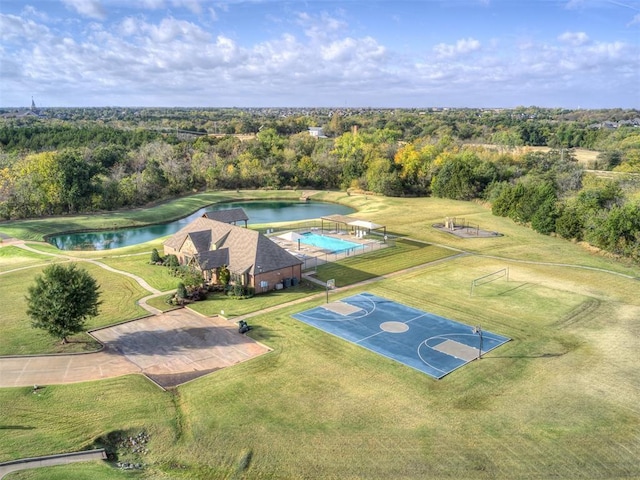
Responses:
[488,278]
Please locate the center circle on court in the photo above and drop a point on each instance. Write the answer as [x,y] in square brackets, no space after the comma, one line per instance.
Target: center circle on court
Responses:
[394,327]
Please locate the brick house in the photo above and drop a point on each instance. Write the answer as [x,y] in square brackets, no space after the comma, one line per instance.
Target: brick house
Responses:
[251,258]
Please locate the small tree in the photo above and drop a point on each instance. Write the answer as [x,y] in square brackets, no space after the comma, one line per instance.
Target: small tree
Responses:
[171,261]
[224,276]
[62,299]
[155,256]
[181,292]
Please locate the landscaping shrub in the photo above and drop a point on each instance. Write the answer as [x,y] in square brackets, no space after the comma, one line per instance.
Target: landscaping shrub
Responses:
[156,259]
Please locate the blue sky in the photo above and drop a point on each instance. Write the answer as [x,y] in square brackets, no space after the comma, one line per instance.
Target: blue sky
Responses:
[353,53]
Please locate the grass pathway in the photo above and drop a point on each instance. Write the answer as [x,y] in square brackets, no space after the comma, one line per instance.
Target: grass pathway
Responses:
[142,302]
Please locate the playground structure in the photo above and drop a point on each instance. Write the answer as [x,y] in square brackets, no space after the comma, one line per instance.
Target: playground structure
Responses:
[452,224]
[463,228]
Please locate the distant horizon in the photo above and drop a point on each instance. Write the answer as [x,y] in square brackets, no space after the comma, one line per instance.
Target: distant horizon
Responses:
[568,54]
[364,107]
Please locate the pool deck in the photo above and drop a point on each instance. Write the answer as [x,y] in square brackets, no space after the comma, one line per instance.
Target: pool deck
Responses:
[309,252]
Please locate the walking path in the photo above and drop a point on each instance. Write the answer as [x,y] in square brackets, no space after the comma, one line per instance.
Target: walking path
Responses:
[51,460]
[154,292]
[139,280]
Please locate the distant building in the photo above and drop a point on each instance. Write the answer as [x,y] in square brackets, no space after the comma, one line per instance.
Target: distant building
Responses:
[33,111]
[317,132]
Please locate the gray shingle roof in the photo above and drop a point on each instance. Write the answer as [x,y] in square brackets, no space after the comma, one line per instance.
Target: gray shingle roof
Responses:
[213,259]
[201,240]
[246,249]
[230,215]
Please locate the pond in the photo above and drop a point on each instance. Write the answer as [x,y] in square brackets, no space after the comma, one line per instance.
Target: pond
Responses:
[259,212]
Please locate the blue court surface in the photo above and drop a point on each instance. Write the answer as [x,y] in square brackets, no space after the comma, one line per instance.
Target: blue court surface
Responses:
[431,344]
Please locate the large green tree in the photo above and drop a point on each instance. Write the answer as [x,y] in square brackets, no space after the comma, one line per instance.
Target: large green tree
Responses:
[62,299]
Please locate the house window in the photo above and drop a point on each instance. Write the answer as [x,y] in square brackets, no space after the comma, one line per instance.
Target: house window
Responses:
[237,279]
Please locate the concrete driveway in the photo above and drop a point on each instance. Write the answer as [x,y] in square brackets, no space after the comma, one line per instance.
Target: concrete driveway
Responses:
[169,348]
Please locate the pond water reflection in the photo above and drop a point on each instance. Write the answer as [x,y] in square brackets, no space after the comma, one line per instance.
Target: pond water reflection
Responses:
[259,212]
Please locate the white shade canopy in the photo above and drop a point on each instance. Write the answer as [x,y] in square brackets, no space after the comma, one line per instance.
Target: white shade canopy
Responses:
[365,224]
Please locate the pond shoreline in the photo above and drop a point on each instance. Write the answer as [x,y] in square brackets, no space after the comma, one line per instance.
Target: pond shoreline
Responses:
[264,210]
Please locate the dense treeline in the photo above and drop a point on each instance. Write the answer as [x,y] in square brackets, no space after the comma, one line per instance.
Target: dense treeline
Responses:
[57,168]
[531,126]
[40,136]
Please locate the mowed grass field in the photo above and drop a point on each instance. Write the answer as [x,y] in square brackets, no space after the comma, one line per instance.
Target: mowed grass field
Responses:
[119,295]
[404,254]
[561,400]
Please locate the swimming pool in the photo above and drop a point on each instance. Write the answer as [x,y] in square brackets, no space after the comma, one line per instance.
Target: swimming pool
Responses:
[334,245]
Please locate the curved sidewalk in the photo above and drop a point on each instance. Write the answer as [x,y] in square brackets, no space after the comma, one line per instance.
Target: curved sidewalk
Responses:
[154,292]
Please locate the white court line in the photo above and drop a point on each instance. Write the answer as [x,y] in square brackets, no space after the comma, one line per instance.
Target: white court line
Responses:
[342,318]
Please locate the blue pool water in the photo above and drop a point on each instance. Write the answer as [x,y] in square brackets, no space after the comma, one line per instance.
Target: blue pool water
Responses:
[334,245]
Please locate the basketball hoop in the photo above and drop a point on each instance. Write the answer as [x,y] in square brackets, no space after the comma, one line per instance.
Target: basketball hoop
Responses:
[331,284]
[477,330]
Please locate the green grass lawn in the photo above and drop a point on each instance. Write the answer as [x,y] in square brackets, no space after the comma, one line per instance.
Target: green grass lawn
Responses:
[97,470]
[320,407]
[155,275]
[217,302]
[119,294]
[405,254]
[67,418]
[13,258]
[561,400]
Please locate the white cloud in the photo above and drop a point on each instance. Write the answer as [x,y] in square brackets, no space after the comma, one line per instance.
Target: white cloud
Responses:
[634,21]
[461,47]
[574,38]
[14,28]
[191,5]
[30,11]
[350,49]
[170,29]
[321,27]
[170,61]
[152,4]
[87,8]
[129,26]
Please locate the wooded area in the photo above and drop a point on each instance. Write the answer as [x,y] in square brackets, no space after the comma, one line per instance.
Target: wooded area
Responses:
[83,160]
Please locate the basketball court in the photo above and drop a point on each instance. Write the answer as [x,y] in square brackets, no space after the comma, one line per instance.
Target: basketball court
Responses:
[426,342]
